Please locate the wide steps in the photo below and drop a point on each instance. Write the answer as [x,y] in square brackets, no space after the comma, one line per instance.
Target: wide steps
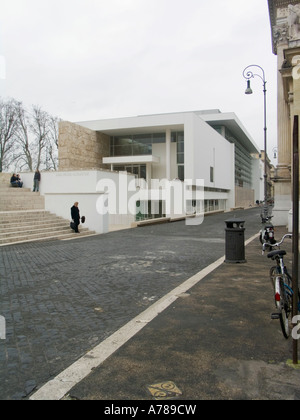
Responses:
[12,199]
[13,207]
[25,231]
[28,227]
[23,218]
[18,227]
[50,235]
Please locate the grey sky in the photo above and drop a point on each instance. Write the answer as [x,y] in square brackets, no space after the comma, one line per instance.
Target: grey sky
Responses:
[93,59]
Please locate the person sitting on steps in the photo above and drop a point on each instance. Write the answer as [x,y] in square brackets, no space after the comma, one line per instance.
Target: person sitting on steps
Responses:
[15,181]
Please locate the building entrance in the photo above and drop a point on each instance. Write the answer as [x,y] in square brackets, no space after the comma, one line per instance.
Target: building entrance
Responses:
[138,170]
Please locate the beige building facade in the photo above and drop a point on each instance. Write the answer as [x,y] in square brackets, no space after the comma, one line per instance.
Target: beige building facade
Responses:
[285,27]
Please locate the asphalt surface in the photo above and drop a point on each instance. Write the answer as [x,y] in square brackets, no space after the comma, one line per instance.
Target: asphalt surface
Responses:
[60,299]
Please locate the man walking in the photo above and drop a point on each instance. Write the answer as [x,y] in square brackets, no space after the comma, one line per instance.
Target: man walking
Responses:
[75,215]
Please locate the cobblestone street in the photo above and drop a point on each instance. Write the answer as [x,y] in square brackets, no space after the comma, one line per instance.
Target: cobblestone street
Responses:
[61,298]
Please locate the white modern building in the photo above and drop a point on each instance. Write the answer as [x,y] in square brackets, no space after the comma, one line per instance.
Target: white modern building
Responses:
[202,145]
[126,170]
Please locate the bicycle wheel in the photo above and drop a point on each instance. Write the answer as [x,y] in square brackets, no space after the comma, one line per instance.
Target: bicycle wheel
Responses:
[274,271]
[285,305]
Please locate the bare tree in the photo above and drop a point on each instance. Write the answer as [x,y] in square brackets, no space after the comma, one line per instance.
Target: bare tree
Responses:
[52,144]
[25,155]
[28,139]
[39,126]
[8,128]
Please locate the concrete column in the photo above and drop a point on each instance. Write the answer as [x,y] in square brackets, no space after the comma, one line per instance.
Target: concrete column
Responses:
[282,182]
[148,174]
[168,154]
[284,126]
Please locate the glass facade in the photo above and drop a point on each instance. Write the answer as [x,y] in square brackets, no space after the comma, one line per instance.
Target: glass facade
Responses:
[156,209]
[243,167]
[142,145]
[150,210]
[139,170]
[135,145]
[178,137]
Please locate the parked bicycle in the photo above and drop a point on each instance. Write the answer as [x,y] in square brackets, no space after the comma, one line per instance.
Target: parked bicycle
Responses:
[283,288]
[267,232]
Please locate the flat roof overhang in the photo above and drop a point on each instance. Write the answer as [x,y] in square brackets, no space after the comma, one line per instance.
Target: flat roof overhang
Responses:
[147,124]
[131,160]
[230,121]
[141,130]
[175,122]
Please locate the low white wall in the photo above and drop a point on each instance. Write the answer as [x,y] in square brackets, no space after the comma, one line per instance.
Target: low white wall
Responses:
[63,188]
[63,182]
[61,204]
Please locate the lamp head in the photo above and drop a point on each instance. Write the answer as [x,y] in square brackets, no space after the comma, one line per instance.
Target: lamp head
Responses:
[248,91]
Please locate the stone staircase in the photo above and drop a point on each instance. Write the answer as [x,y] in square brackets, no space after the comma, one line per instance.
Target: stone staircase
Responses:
[23,218]
[17,199]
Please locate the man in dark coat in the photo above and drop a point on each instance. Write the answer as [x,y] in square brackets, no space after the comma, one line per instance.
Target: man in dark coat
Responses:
[36,180]
[75,215]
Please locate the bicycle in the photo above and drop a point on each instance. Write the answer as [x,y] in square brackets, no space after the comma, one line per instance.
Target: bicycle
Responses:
[283,289]
[267,233]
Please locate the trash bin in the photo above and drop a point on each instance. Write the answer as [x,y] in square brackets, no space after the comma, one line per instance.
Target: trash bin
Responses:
[235,241]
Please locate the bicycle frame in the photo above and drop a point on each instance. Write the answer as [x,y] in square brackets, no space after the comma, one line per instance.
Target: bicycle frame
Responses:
[283,291]
[267,233]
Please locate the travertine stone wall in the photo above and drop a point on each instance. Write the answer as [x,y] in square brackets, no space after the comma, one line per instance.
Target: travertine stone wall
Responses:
[5,179]
[81,148]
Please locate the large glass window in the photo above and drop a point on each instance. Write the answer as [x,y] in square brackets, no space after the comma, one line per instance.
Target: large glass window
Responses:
[150,210]
[141,145]
[181,172]
[178,138]
[139,170]
[134,145]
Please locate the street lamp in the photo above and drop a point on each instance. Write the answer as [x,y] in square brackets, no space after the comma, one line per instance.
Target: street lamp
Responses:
[248,74]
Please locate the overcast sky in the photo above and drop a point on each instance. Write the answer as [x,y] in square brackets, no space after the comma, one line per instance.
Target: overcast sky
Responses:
[94,59]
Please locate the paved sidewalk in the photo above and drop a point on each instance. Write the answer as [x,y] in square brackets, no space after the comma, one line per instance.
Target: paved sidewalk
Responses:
[217,341]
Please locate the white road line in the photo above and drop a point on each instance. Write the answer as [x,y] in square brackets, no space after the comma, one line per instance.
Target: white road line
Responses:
[58,387]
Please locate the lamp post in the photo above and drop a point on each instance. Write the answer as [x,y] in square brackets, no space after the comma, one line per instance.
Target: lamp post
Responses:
[248,74]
